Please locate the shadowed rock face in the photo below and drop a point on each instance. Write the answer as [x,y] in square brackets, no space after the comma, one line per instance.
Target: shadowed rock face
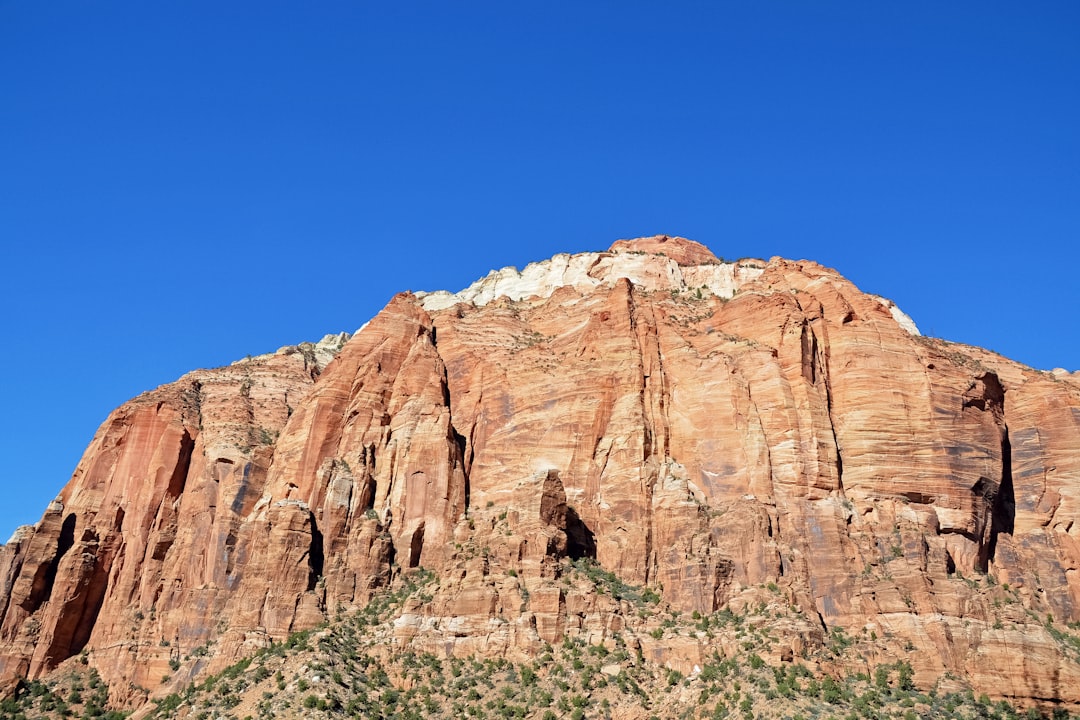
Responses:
[698,427]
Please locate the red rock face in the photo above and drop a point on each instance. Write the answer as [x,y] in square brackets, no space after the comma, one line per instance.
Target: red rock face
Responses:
[699,428]
[138,554]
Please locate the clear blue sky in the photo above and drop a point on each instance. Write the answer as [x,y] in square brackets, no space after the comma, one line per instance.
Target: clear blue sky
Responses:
[183,184]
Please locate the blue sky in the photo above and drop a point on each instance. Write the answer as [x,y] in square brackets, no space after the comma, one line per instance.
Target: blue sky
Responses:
[183,184]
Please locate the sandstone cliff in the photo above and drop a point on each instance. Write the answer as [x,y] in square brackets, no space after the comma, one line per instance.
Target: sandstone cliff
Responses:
[724,435]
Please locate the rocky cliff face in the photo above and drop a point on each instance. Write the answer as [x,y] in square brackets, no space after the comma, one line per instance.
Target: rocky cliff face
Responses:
[724,435]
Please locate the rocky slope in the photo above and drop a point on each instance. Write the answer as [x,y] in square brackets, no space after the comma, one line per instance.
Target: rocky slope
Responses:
[716,435]
[350,667]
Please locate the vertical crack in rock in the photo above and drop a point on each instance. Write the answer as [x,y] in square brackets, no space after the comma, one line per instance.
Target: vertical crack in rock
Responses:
[230,554]
[165,518]
[248,409]
[96,587]
[665,422]
[655,390]
[179,477]
[809,343]
[41,589]
[368,484]
[994,498]
[7,581]
[315,553]
[465,453]
[416,546]
[1003,511]
[77,610]
[458,492]
[648,436]
[471,439]
[827,377]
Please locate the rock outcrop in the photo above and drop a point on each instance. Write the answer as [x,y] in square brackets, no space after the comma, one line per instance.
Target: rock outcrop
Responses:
[701,429]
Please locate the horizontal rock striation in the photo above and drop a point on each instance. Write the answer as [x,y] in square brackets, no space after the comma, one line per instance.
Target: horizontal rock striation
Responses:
[700,429]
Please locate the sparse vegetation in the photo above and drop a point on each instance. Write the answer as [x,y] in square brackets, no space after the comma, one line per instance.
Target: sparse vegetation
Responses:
[351,668]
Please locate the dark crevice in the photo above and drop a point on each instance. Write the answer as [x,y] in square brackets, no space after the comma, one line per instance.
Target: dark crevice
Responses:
[163,544]
[368,485]
[985,393]
[95,598]
[918,497]
[580,540]
[416,546]
[466,462]
[230,552]
[367,494]
[42,587]
[315,553]
[76,614]
[1003,511]
[809,347]
[839,466]
[183,464]
[983,488]
[471,455]
[66,540]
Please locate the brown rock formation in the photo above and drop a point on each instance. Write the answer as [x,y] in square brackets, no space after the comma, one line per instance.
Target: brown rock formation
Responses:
[699,428]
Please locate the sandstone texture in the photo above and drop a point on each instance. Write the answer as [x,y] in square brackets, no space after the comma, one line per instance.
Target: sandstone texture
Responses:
[722,435]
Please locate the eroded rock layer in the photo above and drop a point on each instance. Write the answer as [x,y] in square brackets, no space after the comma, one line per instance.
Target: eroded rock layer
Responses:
[702,429]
